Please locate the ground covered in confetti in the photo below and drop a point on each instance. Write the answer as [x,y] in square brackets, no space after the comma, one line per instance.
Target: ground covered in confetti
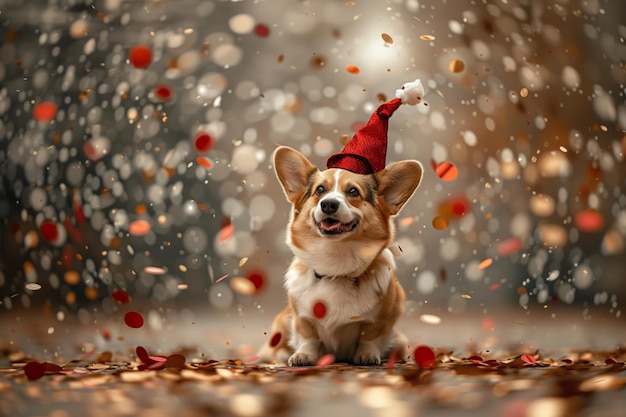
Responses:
[208,367]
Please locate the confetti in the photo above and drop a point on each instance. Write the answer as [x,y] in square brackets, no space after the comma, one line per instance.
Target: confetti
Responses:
[133,319]
[203,142]
[590,221]
[353,69]
[139,228]
[120,296]
[456,66]
[275,339]
[140,56]
[427,37]
[44,111]
[326,360]
[319,310]
[430,319]
[243,286]
[485,263]
[387,38]
[34,370]
[424,356]
[447,171]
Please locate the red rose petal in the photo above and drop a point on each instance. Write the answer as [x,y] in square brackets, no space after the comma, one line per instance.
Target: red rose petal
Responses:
[133,319]
[175,361]
[393,357]
[258,279]
[319,310]
[424,356]
[51,367]
[34,370]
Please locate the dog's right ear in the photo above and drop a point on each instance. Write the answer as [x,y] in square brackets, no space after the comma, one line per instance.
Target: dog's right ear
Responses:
[293,171]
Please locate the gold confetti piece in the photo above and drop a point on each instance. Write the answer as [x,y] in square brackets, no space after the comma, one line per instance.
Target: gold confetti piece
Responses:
[427,37]
[485,263]
[243,261]
[523,92]
[467,296]
[456,66]
[430,319]
[387,38]
[242,285]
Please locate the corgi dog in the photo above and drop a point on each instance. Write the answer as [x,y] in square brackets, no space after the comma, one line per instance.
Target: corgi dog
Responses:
[344,297]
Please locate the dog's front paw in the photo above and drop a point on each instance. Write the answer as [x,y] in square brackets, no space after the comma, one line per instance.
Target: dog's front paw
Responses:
[367,354]
[367,359]
[301,359]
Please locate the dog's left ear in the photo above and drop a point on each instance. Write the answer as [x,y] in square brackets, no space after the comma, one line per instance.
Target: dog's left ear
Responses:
[398,182]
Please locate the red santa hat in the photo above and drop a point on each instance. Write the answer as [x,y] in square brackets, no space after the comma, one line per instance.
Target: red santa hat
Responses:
[366,152]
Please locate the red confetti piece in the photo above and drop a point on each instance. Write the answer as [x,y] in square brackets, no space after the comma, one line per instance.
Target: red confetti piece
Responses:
[205,162]
[51,367]
[120,296]
[276,338]
[44,111]
[319,310]
[73,231]
[589,221]
[226,233]
[509,246]
[49,230]
[175,361]
[203,142]
[253,359]
[529,359]
[142,354]
[140,56]
[424,356]
[133,319]
[258,279]
[447,171]
[494,287]
[353,69]
[34,370]
[261,30]
[139,227]
[326,360]
[393,358]
[163,92]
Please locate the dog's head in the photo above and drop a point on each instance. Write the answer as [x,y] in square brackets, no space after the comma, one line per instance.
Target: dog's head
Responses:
[339,217]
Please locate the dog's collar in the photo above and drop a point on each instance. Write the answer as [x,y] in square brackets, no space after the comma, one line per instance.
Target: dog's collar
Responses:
[320,276]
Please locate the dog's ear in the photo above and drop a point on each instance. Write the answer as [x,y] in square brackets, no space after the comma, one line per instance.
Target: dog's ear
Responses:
[293,171]
[398,182]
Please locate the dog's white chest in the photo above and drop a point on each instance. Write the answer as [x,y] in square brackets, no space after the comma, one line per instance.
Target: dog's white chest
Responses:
[333,302]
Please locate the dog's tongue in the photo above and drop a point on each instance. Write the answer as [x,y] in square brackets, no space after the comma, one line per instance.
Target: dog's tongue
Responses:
[330,225]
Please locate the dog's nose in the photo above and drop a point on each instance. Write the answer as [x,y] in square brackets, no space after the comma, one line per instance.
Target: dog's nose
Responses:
[329,205]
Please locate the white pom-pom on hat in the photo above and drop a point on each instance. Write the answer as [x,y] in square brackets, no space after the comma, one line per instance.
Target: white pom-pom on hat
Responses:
[411,93]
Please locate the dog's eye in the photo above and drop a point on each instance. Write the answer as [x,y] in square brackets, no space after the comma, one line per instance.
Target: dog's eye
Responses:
[353,192]
[320,190]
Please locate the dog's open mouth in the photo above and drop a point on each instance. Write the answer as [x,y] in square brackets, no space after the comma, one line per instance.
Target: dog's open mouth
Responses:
[330,226]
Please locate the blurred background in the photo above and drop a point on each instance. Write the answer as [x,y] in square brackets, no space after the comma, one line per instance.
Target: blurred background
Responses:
[136,141]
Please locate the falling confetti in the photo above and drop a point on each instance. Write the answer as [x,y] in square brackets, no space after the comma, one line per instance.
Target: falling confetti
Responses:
[140,56]
[44,111]
[456,66]
[133,319]
[319,310]
[353,69]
